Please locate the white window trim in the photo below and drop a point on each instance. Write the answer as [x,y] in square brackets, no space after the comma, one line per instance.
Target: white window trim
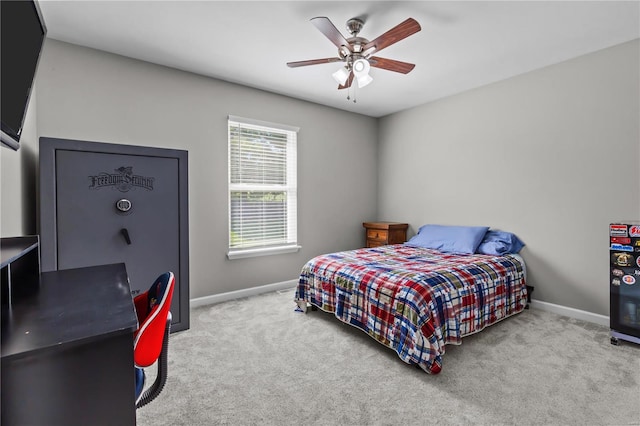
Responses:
[264,123]
[243,253]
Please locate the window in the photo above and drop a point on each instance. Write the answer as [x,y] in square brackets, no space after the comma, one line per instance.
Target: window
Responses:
[262,188]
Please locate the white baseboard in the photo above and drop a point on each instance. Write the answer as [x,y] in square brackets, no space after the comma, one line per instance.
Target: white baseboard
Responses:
[231,295]
[570,312]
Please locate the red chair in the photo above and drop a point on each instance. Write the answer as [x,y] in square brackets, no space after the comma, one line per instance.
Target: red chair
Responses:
[151,340]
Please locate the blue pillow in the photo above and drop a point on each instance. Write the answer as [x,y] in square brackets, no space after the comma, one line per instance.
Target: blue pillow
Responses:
[499,243]
[449,239]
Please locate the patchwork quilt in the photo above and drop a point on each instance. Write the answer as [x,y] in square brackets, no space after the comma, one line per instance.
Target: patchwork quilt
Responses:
[415,300]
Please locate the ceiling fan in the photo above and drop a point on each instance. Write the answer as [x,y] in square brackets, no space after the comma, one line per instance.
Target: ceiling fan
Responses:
[356,52]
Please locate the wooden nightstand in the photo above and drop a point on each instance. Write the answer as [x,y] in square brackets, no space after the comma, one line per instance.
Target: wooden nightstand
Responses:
[381,233]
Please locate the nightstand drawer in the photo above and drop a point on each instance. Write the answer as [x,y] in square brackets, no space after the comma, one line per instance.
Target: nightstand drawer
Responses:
[377,234]
[381,233]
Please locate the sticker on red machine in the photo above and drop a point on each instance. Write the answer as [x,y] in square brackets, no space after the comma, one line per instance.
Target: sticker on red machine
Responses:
[638,261]
[620,247]
[634,231]
[618,231]
[629,279]
[621,240]
[617,272]
[622,259]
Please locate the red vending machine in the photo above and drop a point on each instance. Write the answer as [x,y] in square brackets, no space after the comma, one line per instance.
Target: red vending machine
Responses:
[624,281]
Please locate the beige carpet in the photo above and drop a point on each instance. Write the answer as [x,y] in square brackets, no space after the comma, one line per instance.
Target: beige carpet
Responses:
[255,361]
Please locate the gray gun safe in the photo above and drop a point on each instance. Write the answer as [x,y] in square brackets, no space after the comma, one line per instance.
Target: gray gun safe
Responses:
[103,203]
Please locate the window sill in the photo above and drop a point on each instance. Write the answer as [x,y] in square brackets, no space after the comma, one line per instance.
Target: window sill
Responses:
[242,254]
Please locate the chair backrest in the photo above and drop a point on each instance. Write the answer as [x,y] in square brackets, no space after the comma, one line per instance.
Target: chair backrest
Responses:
[153,309]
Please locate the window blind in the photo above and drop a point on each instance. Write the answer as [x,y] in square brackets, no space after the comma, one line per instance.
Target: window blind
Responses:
[262,184]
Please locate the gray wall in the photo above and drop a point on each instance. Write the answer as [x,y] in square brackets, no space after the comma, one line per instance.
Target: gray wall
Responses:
[552,155]
[18,180]
[92,95]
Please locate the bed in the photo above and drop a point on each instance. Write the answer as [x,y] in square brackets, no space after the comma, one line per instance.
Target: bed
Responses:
[414,300]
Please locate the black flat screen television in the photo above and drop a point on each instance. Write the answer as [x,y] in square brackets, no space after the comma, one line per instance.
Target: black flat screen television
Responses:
[22,35]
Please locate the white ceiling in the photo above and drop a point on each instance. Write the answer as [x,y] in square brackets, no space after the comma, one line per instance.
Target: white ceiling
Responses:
[462,45]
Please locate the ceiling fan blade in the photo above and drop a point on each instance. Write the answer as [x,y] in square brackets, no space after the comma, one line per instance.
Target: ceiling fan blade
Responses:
[391,64]
[327,28]
[347,83]
[312,62]
[394,35]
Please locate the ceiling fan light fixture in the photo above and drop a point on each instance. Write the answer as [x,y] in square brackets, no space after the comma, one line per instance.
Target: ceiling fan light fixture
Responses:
[364,80]
[361,68]
[341,76]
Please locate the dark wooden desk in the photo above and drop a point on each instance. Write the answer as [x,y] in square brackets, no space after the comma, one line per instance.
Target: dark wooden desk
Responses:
[67,350]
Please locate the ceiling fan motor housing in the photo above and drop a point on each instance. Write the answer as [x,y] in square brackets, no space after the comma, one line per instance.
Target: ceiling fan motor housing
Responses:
[354,25]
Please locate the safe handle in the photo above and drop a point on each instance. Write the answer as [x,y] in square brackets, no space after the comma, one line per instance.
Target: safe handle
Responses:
[125,234]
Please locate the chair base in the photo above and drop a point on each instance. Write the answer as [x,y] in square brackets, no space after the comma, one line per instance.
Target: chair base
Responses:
[161,378]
